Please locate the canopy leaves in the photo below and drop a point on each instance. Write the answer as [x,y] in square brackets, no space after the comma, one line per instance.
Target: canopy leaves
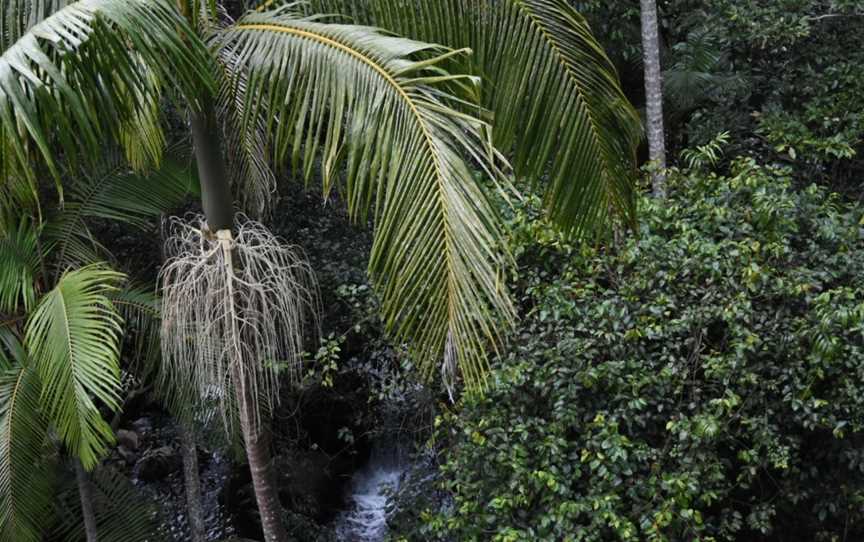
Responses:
[19,16]
[556,101]
[88,72]
[21,260]
[384,112]
[115,193]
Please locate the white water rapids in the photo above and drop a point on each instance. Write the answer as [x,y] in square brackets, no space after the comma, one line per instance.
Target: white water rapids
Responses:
[365,520]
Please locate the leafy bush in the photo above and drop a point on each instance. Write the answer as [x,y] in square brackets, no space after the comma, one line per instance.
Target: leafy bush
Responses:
[704,381]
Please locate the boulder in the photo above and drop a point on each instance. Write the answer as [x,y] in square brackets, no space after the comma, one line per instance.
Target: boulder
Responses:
[127,439]
[158,463]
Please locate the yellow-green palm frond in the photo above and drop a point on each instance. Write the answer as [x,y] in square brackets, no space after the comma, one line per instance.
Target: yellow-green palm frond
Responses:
[558,107]
[383,113]
[26,476]
[92,70]
[73,339]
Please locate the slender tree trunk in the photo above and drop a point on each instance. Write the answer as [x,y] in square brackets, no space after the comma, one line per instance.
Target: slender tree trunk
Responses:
[192,485]
[261,468]
[217,203]
[654,94]
[215,192]
[85,491]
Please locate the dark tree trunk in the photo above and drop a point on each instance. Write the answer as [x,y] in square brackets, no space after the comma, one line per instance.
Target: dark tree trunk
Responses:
[192,485]
[85,491]
[261,468]
[215,191]
[216,199]
[654,94]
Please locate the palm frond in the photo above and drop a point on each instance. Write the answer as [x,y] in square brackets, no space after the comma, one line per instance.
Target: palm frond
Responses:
[73,337]
[123,513]
[11,349]
[79,76]
[252,179]
[141,135]
[385,109]
[556,99]
[697,73]
[20,254]
[19,16]
[140,309]
[117,193]
[26,476]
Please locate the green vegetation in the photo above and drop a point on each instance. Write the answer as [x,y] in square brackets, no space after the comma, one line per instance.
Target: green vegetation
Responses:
[701,381]
[486,293]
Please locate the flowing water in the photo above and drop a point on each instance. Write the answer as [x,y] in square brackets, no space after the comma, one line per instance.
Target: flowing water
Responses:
[365,519]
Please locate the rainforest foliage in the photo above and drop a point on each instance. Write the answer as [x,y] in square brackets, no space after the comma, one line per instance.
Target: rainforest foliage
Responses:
[702,378]
[555,352]
[700,381]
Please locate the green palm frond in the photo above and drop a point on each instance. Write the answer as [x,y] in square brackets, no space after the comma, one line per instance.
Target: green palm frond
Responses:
[11,350]
[698,71]
[88,71]
[73,336]
[26,477]
[382,110]
[556,99]
[123,513]
[119,194]
[19,16]
[141,312]
[141,135]
[252,178]
[20,269]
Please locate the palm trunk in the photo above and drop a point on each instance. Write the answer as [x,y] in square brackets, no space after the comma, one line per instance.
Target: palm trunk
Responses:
[261,468]
[654,95]
[85,491]
[215,192]
[216,200]
[192,485]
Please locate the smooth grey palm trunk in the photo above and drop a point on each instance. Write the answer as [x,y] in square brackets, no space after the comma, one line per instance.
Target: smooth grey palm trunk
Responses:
[192,485]
[85,492]
[654,94]
[218,210]
[215,192]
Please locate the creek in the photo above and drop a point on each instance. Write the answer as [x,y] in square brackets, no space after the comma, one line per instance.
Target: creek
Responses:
[365,518]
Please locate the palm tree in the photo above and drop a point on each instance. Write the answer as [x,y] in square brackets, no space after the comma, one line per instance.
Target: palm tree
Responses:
[63,310]
[654,94]
[398,125]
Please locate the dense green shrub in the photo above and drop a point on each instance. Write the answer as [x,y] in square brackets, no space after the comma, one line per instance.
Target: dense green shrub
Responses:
[704,381]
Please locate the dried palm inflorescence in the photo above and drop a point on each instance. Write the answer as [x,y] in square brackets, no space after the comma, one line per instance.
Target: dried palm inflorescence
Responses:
[235,311]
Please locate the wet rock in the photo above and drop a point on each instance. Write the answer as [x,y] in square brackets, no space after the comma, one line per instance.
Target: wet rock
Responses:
[306,483]
[238,498]
[128,456]
[127,439]
[158,463]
